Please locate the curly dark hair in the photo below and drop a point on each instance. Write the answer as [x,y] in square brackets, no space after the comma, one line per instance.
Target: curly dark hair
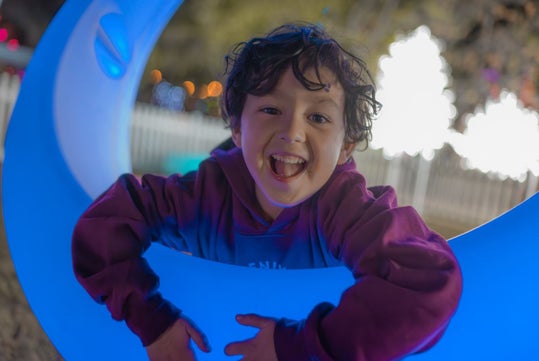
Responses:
[254,67]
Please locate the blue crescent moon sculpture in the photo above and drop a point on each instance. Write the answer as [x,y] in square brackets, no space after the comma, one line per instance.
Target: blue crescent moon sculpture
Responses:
[68,140]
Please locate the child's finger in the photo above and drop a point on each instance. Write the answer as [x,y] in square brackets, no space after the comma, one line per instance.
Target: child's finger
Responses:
[198,337]
[253,319]
[236,348]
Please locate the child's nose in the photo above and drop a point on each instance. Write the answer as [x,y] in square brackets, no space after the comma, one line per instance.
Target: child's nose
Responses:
[293,130]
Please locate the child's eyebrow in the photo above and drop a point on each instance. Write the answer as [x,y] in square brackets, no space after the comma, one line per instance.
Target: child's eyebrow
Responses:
[317,97]
[324,99]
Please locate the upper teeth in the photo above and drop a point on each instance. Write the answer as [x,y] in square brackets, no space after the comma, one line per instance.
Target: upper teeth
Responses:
[288,159]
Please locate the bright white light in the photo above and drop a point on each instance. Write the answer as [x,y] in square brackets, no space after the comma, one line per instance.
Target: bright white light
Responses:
[417,107]
[503,139]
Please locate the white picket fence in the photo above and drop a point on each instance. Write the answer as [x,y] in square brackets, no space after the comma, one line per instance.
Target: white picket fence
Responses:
[158,135]
[451,199]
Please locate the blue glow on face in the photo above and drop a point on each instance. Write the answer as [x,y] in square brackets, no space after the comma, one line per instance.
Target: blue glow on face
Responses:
[497,317]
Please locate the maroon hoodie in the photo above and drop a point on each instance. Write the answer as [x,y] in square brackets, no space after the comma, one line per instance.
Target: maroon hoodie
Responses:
[408,282]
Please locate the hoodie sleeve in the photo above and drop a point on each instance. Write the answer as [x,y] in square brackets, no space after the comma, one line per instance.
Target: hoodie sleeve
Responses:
[109,241]
[408,282]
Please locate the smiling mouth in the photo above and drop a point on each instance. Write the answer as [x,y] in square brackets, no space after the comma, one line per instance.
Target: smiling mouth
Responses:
[287,166]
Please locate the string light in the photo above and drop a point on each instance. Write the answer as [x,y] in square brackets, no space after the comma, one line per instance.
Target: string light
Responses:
[189,87]
[3,34]
[203,91]
[13,44]
[156,76]
[215,88]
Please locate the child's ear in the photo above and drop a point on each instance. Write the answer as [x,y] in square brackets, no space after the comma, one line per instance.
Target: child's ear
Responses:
[346,152]
[236,136]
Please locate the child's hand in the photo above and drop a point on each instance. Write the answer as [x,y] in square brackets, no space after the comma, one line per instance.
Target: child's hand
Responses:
[260,347]
[174,344]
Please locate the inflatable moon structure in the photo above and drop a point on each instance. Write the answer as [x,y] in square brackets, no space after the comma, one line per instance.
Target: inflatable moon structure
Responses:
[68,140]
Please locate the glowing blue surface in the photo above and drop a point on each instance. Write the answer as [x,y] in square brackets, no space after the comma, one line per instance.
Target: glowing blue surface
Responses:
[182,163]
[68,140]
[112,48]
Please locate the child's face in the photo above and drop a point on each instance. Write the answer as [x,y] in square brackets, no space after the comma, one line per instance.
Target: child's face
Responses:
[292,139]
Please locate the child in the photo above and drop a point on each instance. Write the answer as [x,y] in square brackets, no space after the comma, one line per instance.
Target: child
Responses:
[288,193]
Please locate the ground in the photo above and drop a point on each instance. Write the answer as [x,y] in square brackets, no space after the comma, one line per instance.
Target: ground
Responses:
[21,336]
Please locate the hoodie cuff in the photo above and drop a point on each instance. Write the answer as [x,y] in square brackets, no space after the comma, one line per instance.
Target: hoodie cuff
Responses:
[300,340]
[151,318]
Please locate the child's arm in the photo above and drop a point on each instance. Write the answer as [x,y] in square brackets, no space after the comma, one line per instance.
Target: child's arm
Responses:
[108,245]
[408,284]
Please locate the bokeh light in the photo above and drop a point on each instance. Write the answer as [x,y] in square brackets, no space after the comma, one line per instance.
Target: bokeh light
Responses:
[13,44]
[169,96]
[156,76]
[203,91]
[3,34]
[501,138]
[215,88]
[189,87]
[417,106]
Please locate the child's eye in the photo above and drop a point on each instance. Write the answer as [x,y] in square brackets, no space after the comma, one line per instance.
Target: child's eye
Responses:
[318,118]
[270,110]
